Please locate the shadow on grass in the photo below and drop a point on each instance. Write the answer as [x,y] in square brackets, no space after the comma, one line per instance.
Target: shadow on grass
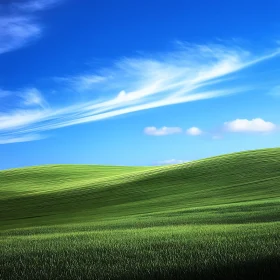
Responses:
[262,269]
[258,270]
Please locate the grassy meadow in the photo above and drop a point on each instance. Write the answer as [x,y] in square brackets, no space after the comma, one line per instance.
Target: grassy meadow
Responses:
[216,218]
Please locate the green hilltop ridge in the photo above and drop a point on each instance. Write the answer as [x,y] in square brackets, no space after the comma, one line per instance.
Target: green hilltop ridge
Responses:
[225,201]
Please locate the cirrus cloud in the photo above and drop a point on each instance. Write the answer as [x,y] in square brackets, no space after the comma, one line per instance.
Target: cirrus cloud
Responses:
[35,5]
[25,138]
[187,74]
[18,24]
[33,97]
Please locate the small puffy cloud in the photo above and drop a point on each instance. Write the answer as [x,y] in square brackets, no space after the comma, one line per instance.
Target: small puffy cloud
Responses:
[172,161]
[162,131]
[194,131]
[254,125]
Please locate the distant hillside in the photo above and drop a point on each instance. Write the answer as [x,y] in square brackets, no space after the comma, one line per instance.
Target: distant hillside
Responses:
[47,195]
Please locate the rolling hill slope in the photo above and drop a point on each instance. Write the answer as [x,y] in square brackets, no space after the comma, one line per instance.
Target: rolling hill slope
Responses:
[230,203]
[50,194]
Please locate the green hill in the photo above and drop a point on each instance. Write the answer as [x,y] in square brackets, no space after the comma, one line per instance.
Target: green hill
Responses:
[214,217]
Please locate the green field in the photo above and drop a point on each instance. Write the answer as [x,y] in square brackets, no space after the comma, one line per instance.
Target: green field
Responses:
[216,218]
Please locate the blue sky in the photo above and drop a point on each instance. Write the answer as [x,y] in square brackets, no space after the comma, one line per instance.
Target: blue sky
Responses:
[137,82]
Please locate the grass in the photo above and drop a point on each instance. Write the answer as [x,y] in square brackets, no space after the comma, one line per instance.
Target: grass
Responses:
[217,218]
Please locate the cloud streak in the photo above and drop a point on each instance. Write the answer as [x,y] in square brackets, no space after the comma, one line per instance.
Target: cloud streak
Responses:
[25,138]
[187,74]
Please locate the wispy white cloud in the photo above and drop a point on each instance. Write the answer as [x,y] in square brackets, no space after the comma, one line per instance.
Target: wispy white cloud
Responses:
[33,97]
[151,130]
[172,161]
[25,138]
[254,125]
[18,25]
[188,74]
[35,5]
[83,83]
[17,31]
[19,119]
[194,131]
